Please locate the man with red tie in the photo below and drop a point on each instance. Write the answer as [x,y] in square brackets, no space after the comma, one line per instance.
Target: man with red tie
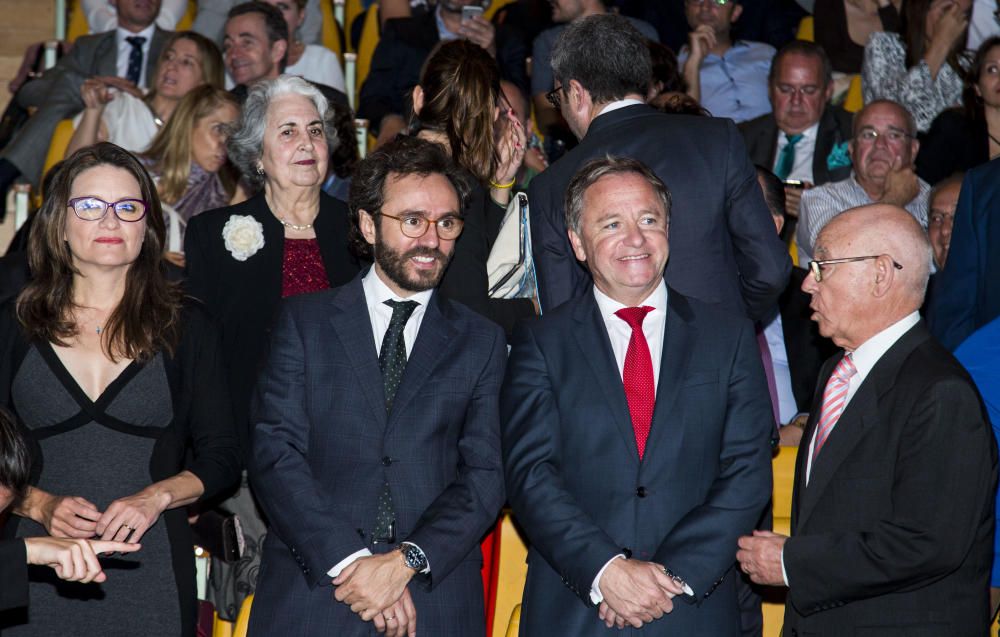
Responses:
[892,512]
[636,426]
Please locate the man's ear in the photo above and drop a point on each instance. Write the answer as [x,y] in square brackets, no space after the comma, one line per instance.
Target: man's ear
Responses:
[737,12]
[366,223]
[278,50]
[418,99]
[885,273]
[577,244]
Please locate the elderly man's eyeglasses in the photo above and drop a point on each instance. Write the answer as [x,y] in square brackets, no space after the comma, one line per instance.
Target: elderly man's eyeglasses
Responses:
[415,226]
[554,97]
[698,3]
[816,267]
[868,135]
[95,209]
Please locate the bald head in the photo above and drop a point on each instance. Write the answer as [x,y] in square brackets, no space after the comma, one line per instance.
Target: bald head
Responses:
[859,298]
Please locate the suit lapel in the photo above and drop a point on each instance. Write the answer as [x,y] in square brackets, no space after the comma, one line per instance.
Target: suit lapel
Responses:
[680,333]
[827,136]
[771,133]
[434,340]
[595,348]
[106,54]
[153,57]
[353,327]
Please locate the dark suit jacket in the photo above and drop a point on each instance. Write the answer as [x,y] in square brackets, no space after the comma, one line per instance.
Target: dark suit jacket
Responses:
[967,296]
[954,143]
[723,248]
[13,574]
[893,536]
[761,135]
[57,95]
[805,347]
[400,56]
[244,295]
[323,446]
[580,491]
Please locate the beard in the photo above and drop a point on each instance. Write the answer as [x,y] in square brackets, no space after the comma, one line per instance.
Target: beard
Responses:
[394,264]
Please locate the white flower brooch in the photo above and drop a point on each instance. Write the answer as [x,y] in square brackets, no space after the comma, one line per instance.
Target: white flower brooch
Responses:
[244,236]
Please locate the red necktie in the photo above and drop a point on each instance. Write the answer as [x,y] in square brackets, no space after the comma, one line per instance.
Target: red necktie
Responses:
[637,375]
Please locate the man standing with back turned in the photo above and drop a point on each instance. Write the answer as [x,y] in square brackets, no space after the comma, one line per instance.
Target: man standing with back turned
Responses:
[892,512]
[636,432]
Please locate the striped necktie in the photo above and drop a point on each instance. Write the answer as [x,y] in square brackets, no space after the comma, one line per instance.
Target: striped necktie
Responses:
[834,401]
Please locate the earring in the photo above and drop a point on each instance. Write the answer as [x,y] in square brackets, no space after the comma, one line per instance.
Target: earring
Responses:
[260,170]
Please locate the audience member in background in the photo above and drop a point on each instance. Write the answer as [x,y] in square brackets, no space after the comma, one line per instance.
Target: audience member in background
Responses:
[211,18]
[666,78]
[314,62]
[102,15]
[979,355]
[842,28]
[242,260]
[256,48]
[534,157]
[407,42]
[882,152]
[943,201]
[921,67]
[121,388]
[679,104]
[968,296]
[729,77]
[345,156]
[724,249]
[795,349]
[983,23]
[803,140]
[458,105]
[963,138]
[56,94]
[119,113]
[564,12]
[892,526]
[188,161]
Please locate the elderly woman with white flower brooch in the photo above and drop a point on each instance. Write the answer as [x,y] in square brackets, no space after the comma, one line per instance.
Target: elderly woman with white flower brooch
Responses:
[291,238]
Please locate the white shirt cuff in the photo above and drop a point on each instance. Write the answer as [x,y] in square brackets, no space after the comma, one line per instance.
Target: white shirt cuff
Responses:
[784,575]
[595,588]
[347,561]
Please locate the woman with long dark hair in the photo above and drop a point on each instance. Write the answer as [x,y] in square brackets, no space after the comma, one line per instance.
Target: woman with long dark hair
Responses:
[119,383]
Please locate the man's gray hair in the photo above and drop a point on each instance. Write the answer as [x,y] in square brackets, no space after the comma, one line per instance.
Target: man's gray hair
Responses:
[246,142]
[605,54]
[594,170]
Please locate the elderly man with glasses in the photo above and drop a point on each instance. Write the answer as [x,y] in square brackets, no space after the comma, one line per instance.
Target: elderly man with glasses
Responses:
[892,509]
[882,151]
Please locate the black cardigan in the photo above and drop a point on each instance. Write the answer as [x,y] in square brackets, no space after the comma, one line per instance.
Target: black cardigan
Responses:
[202,423]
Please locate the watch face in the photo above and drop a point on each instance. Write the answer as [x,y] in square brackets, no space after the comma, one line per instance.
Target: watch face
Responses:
[414,558]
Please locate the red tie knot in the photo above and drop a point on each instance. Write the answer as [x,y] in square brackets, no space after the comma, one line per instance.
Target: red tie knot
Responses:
[634,315]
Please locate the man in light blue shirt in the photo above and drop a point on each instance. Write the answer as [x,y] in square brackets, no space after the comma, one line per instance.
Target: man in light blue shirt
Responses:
[728,78]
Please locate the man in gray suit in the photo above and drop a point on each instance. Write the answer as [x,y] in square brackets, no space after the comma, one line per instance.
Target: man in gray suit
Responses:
[129,52]
[376,433]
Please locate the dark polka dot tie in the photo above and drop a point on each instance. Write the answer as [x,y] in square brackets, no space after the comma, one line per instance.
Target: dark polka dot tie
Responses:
[134,71]
[637,375]
[392,361]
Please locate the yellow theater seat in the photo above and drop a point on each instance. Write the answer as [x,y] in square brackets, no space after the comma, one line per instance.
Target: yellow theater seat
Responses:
[854,100]
[783,470]
[807,29]
[58,144]
[370,34]
[188,18]
[793,251]
[495,6]
[352,9]
[330,33]
[243,619]
[514,625]
[510,576]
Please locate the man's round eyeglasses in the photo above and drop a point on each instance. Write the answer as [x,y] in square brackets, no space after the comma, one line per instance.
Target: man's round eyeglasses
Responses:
[698,3]
[95,208]
[816,267]
[893,135]
[415,226]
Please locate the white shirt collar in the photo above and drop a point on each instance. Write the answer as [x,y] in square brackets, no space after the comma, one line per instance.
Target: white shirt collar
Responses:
[377,292]
[608,306]
[121,34]
[614,106]
[808,135]
[868,353]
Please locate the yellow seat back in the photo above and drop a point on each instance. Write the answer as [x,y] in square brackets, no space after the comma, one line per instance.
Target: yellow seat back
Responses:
[370,35]
[854,100]
[77,24]
[188,18]
[806,29]
[330,33]
[514,625]
[243,619]
[352,9]
[495,6]
[58,144]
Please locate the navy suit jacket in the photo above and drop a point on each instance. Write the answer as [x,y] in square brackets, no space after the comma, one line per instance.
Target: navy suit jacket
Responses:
[967,296]
[723,248]
[893,535]
[323,446]
[580,491]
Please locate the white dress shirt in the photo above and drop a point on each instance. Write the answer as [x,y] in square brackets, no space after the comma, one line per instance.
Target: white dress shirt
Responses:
[653,328]
[376,294]
[802,167]
[864,358]
[125,49]
[614,106]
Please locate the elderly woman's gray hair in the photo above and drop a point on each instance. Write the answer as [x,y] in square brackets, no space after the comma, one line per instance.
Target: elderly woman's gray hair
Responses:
[246,143]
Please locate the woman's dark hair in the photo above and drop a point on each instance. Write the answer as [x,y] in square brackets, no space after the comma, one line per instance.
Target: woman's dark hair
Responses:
[15,461]
[970,96]
[666,77]
[405,155]
[147,317]
[461,85]
[913,20]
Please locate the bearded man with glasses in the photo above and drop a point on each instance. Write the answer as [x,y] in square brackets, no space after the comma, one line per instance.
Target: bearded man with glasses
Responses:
[882,151]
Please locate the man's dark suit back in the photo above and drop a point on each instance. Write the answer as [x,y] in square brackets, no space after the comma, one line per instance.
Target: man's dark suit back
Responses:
[324,446]
[723,248]
[893,536]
